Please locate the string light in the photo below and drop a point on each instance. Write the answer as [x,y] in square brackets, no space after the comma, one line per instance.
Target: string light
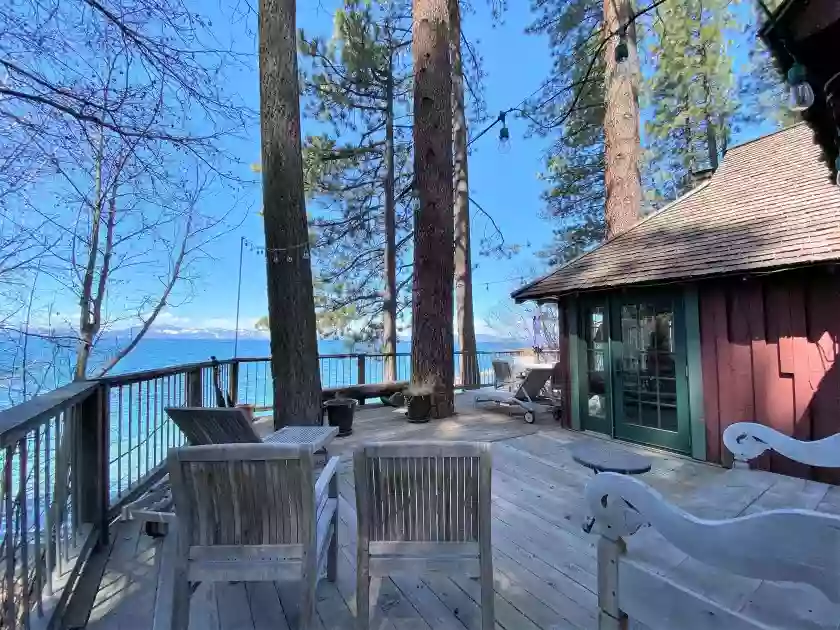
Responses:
[504,135]
[621,49]
[276,254]
[801,92]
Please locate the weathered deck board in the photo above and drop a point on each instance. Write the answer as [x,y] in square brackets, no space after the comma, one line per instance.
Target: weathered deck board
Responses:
[544,564]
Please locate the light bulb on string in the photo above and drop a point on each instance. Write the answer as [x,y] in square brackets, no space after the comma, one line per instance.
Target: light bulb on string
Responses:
[621,49]
[504,135]
[801,95]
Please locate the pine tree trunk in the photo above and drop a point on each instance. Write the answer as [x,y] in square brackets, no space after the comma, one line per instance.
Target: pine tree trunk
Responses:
[622,150]
[463,265]
[431,338]
[389,302]
[291,306]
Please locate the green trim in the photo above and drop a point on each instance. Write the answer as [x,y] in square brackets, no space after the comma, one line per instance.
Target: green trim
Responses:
[695,373]
[574,361]
[679,440]
[591,423]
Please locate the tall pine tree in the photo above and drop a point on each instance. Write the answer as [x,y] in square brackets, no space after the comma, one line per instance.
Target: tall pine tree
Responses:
[291,308]
[431,336]
[692,94]
[570,110]
[359,170]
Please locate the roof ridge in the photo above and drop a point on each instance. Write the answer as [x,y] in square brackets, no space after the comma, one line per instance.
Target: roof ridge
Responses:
[641,221]
[766,135]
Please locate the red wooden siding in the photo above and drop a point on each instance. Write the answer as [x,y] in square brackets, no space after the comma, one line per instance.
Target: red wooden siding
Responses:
[768,349]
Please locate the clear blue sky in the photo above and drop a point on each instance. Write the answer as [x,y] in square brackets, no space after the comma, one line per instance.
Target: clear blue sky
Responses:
[506,185]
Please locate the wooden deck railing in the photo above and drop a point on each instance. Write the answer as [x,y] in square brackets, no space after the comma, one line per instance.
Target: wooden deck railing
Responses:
[71,458]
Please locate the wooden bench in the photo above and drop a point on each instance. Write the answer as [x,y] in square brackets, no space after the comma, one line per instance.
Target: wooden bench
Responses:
[754,550]
[364,391]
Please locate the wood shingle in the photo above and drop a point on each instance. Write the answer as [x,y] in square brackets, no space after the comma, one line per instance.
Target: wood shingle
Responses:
[772,204]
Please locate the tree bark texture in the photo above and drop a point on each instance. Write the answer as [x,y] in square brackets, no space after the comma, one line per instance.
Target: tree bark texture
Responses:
[622,149]
[389,301]
[431,336]
[291,307]
[464,318]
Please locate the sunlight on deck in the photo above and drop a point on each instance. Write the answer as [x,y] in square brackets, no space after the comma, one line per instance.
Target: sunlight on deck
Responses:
[544,565]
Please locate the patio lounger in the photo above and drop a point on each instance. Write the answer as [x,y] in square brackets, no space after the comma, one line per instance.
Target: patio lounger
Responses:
[202,426]
[530,393]
[503,375]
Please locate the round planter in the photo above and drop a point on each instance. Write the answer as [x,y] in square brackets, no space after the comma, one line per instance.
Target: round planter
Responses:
[418,408]
[340,414]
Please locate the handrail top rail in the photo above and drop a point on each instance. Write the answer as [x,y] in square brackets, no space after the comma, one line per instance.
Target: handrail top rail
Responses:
[17,421]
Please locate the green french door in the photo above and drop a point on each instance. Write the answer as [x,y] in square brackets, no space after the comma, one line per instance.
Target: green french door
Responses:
[596,412]
[632,366]
[650,392]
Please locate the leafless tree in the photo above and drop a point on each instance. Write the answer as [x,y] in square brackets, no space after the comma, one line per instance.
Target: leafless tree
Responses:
[114,123]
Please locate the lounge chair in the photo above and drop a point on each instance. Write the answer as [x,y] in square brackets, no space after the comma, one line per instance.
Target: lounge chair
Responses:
[528,396]
[503,375]
[202,426]
[247,512]
[211,425]
[423,506]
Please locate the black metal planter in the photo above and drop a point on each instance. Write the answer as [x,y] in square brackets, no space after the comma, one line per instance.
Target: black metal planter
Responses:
[340,414]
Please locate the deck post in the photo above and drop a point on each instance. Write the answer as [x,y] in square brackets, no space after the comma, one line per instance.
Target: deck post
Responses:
[233,381]
[610,616]
[92,474]
[194,398]
[361,377]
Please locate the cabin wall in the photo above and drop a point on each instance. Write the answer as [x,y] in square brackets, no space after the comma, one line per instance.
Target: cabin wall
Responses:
[768,352]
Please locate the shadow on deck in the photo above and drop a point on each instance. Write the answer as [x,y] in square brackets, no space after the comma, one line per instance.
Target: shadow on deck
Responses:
[545,569]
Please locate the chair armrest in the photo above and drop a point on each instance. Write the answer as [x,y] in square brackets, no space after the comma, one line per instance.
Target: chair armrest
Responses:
[323,482]
[748,440]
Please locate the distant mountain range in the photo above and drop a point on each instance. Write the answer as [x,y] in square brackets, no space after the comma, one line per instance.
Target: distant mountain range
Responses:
[169,332]
[179,332]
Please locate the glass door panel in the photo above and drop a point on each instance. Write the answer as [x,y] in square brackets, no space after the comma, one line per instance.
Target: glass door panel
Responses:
[596,400]
[649,378]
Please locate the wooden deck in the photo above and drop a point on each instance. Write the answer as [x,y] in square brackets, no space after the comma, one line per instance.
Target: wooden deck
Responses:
[544,563]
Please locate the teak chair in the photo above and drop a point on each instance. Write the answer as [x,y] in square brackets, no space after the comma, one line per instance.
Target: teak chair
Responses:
[423,506]
[251,512]
[213,425]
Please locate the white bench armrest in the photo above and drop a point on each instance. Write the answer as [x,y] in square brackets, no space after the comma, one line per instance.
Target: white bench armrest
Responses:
[780,545]
[748,440]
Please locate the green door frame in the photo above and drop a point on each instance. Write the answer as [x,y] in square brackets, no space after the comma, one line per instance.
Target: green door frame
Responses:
[587,422]
[679,440]
[691,422]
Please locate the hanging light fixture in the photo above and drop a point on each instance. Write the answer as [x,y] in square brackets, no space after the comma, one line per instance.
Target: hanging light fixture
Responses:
[504,135]
[621,50]
[801,92]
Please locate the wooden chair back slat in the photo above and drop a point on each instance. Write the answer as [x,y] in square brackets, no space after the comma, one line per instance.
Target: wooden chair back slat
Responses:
[207,425]
[248,500]
[416,493]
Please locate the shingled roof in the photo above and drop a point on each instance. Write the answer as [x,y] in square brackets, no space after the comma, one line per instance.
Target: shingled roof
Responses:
[771,204]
